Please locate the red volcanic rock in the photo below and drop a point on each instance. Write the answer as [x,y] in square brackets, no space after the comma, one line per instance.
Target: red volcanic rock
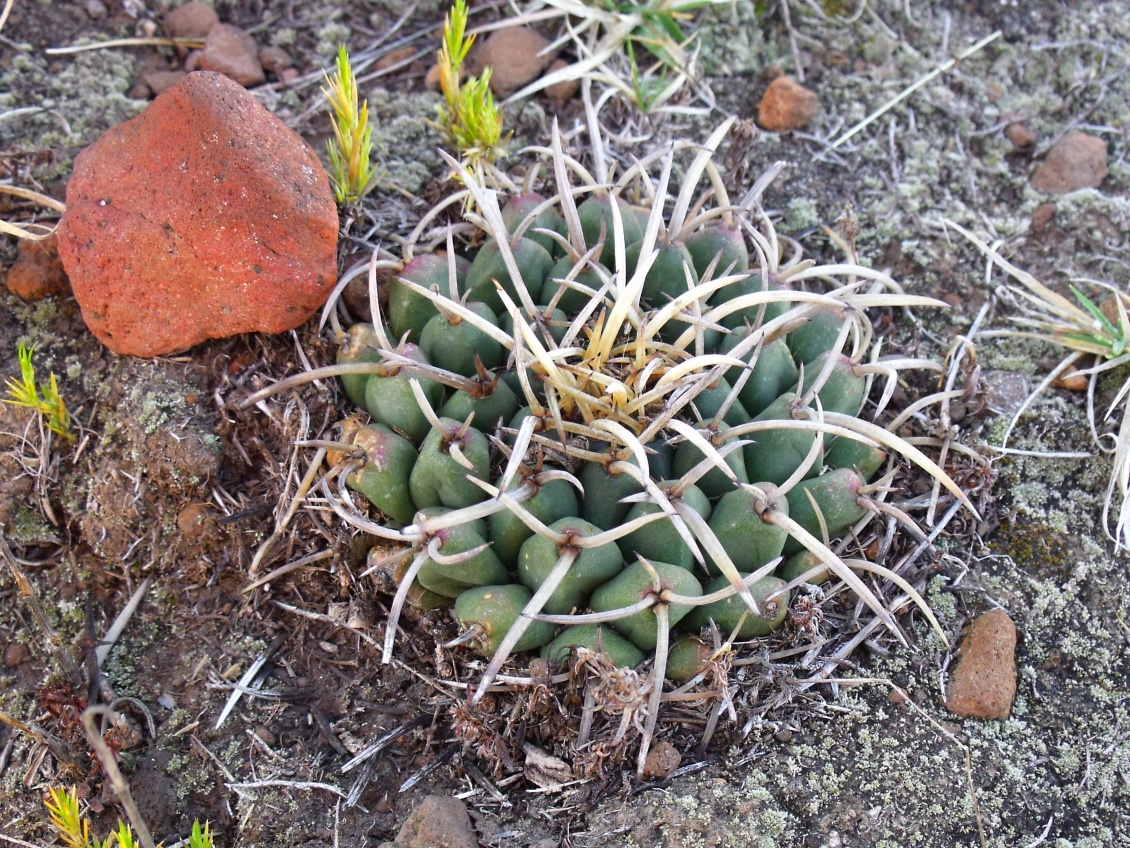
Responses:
[201,218]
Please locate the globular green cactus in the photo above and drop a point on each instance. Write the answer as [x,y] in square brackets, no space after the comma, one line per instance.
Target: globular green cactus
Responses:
[618,421]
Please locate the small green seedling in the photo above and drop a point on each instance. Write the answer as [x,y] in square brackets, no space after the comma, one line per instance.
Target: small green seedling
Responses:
[43,398]
[352,170]
[74,830]
[468,116]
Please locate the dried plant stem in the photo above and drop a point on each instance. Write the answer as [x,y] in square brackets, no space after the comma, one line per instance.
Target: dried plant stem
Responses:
[110,766]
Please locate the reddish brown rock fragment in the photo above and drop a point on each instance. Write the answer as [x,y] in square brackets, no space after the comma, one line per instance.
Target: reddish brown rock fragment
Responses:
[983,683]
[439,822]
[274,60]
[160,81]
[514,56]
[559,92]
[1042,218]
[232,52]
[1076,161]
[394,57]
[661,762]
[787,105]
[192,20]
[38,271]
[1019,135]
[203,217]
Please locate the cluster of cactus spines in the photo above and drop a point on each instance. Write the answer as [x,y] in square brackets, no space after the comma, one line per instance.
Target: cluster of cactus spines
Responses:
[612,422]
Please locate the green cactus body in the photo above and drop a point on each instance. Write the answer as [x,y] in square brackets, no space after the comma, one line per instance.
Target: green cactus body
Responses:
[390,400]
[409,311]
[452,579]
[849,453]
[416,596]
[728,612]
[775,454]
[596,224]
[772,374]
[534,262]
[635,583]
[555,321]
[837,497]
[592,567]
[454,344]
[633,380]
[714,483]
[360,345]
[553,500]
[659,540]
[603,491]
[749,540]
[816,336]
[725,243]
[687,657]
[384,477]
[709,402]
[595,637]
[749,315]
[494,609]
[493,401]
[571,301]
[666,279]
[844,389]
[519,207]
[803,562]
[438,478]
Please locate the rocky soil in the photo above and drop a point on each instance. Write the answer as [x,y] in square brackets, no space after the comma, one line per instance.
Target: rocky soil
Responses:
[171,481]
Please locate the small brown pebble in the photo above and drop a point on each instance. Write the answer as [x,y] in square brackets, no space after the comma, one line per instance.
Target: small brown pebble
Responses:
[439,822]
[38,270]
[232,52]
[1021,137]
[1076,161]
[431,79]
[661,762]
[1042,218]
[1071,380]
[274,60]
[897,696]
[515,57]
[289,75]
[192,60]
[539,668]
[265,735]
[983,683]
[158,81]
[394,57]
[559,92]
[787,105]
[192,20]
[16,654]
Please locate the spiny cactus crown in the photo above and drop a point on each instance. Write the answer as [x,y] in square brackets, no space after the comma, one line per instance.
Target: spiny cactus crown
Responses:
[610,421]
